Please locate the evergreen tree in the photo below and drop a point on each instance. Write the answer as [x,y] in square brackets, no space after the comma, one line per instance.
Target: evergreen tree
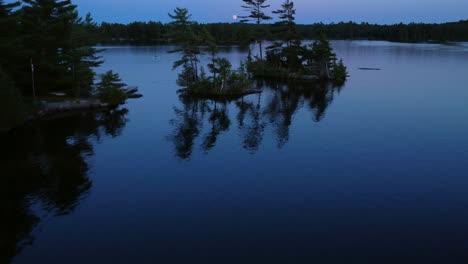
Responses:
[340,73]
[47,26]
[286,48]
[213,50]
[186,76]
[12,108]
[184,35]
[285,30]
[9,31]
[109,89]
[80,55]
[322,56]
[10,38]
[257,15]
[222,67]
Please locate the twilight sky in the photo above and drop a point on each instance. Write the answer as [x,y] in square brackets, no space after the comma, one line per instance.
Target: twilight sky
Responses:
[308,11]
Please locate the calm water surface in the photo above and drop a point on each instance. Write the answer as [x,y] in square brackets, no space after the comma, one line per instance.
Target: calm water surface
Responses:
[375,171]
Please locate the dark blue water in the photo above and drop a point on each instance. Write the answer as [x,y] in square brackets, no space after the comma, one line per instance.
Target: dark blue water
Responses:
[375,171]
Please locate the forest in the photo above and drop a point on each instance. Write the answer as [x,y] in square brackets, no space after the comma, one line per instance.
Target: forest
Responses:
[244,33]
[48,48]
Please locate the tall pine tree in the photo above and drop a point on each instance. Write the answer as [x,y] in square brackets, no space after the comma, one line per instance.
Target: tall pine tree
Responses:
[184,35]
[285,30]
[80,55]
[47,26]
[256,9]
[10,38]
[287,46]
[12,108]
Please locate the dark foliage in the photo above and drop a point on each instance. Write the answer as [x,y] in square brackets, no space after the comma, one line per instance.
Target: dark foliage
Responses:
[109,89]
[12,107]
[189,39]
[240,33]
[45,47]
[50,35]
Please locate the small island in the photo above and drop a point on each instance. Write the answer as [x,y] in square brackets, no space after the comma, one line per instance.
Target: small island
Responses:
[287,58]
[222,80]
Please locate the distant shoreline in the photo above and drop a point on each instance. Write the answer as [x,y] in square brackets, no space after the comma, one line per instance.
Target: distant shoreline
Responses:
[242,34]
[136,44]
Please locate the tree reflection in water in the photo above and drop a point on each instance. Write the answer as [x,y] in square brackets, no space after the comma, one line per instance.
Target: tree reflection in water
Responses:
[220,122]
[274,109]
[46,164]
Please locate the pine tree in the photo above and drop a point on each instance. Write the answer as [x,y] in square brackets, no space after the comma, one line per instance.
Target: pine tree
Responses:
[12,107]
[186,76]
[213,50]
[184,35]
[47,26]
[286,30]
[340,73]
[322,56]
[109,89]
[221,67]
[257,15]
[9,28]
[80,55]
[10,38]
[287,47]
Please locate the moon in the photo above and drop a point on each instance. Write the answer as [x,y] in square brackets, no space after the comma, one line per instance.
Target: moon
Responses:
[234,17]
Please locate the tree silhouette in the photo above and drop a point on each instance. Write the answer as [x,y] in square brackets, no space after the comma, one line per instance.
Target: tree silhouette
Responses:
[256,10]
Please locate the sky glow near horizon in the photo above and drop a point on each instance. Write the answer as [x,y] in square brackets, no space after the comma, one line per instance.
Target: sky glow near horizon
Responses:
[308,11]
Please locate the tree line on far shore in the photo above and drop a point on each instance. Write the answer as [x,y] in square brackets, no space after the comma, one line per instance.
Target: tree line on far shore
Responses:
[245,33]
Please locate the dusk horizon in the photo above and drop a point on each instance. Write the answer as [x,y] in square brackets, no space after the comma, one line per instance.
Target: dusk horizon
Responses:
[359,11]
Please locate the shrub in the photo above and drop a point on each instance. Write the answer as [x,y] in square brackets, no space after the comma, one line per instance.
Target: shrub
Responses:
[340,73]
[109,90]
[240,80]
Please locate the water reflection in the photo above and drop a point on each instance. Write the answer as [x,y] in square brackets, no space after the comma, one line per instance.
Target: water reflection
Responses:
[46,165]
[206,120]
[219,122]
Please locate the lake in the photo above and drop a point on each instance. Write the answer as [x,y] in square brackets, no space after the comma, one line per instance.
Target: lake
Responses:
[375,171]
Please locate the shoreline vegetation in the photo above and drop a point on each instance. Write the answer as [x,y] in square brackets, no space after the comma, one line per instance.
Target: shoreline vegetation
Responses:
[287,58]
[193,78]
[236,33]
[48,69]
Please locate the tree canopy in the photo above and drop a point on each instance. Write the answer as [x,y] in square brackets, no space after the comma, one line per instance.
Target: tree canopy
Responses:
[50,35]
[46,47]
[256,14]
[245,33]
